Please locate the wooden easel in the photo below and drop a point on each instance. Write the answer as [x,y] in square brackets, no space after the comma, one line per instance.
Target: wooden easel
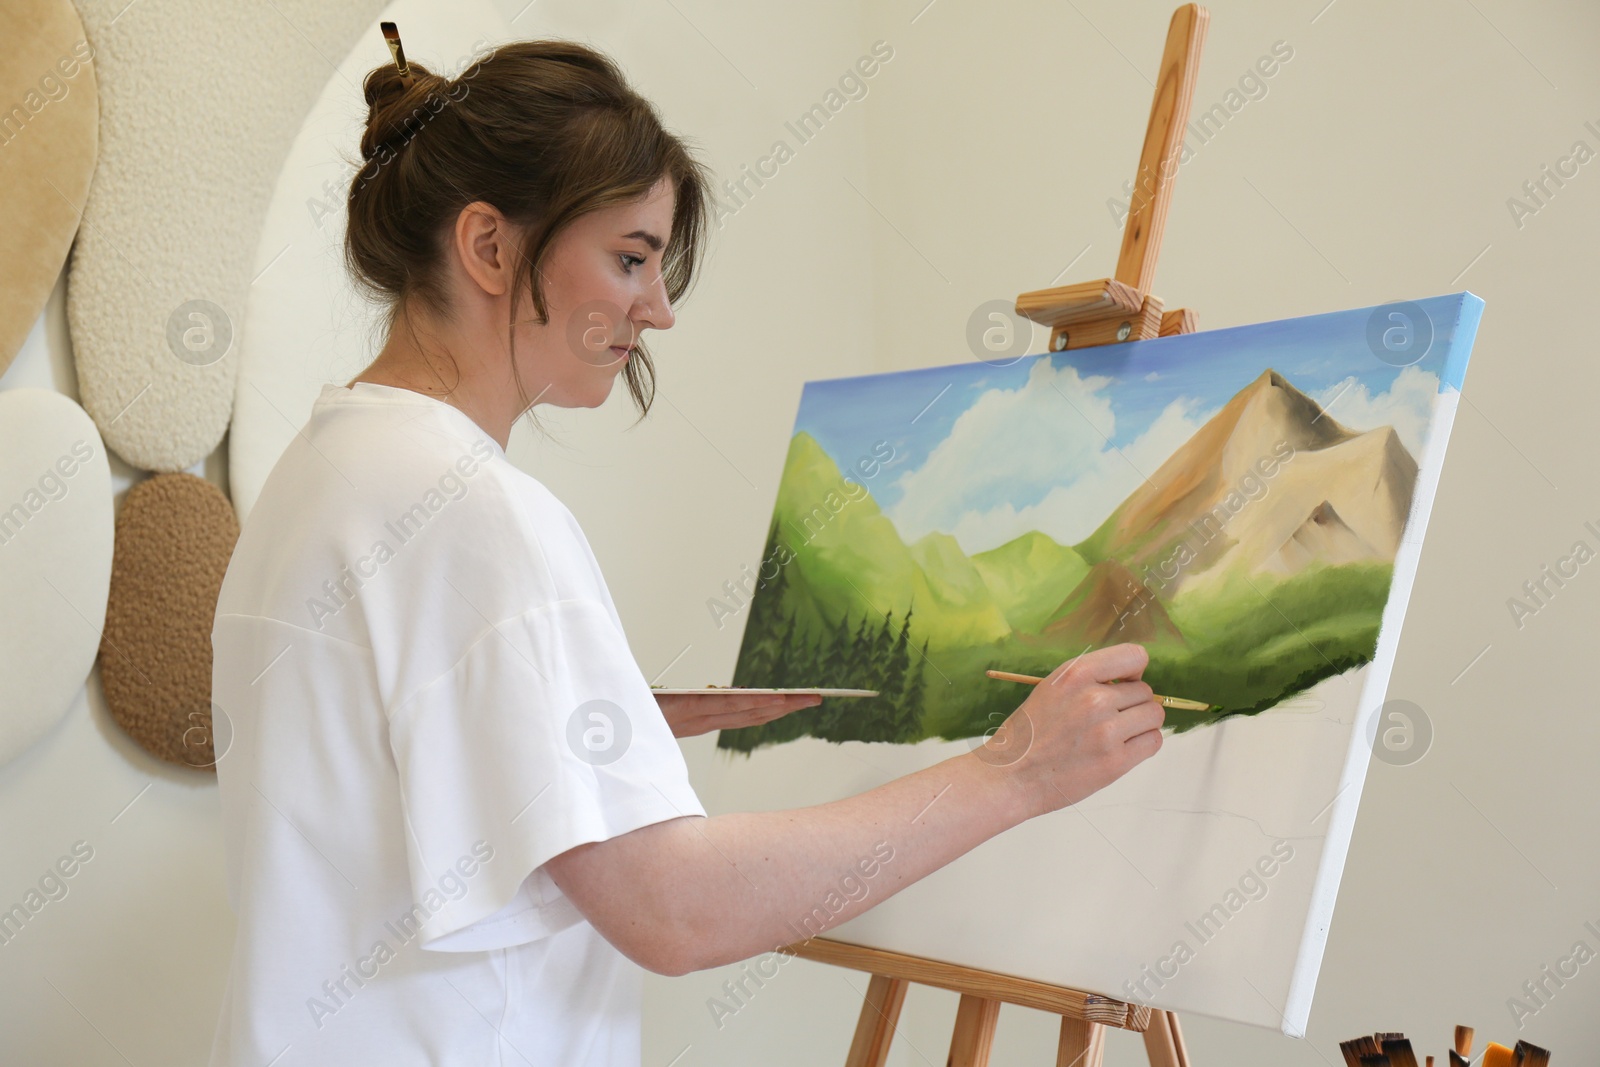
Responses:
[1105,311]
[1084,1016]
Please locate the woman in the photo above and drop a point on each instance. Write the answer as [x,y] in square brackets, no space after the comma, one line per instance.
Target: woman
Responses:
[456,822]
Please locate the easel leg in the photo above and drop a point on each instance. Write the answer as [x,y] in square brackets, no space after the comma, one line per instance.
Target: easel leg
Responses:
[1163,1042]
[1177,1039]
[879,1013]
[975,1024]
[1082,1043]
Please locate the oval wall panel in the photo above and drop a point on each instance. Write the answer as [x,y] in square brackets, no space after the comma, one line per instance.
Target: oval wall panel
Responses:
[55,559]
[175,535]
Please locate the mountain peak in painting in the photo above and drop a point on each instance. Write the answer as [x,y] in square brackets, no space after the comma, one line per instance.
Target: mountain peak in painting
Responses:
[1108,606]
[1206,509]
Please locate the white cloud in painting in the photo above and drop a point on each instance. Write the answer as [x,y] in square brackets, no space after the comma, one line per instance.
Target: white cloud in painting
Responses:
[1044,441]
[1071,512]
[1406,405]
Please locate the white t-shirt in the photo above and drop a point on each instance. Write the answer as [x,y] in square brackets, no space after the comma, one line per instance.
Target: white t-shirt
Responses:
[430,695]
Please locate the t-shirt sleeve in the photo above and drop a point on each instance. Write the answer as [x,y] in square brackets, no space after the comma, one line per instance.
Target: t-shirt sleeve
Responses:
[543,736]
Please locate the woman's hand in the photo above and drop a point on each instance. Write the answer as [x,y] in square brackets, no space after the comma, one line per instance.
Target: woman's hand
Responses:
[1086,725]
[690,714]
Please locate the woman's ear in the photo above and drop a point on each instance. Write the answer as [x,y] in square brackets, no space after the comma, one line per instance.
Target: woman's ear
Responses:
[485,244]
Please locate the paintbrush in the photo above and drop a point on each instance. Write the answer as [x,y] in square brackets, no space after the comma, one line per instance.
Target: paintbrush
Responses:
[1363,1052]
[1398,1051]
[1497,1055]
[1179,703]
[1530,1055]
[1351,1051]
[1464,1042]
[391,37]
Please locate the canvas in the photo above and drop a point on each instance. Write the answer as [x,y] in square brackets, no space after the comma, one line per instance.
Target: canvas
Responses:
[1248,504]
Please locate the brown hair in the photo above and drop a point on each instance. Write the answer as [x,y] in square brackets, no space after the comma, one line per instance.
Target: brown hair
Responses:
[546,131]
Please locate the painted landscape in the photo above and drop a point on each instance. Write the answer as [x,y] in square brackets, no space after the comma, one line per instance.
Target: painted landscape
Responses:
[1250,504]
[1254,561]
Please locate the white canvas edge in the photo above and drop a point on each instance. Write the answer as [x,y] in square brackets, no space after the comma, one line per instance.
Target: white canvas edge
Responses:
[1342,814]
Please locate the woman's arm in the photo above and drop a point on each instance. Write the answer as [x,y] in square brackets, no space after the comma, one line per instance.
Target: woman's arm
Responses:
[691,893]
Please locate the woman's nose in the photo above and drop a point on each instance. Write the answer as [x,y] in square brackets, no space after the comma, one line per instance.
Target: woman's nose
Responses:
[657,311]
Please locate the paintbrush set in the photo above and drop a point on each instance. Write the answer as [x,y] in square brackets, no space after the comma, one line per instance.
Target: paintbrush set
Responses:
[1394,1050]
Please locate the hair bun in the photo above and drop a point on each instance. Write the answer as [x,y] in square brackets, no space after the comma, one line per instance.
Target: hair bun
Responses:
[397,106]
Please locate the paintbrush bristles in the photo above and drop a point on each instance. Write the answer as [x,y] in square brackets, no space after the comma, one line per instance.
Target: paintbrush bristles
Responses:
[1530,1055]
[1363,1052]
[1496,1055]
[391,37]
[1389,1049]
[1398,1051]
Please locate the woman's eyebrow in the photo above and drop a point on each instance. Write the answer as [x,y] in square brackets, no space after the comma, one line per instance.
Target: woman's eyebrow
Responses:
[648,238]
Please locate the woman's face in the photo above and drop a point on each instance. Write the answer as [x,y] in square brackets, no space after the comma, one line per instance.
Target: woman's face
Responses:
[603,288]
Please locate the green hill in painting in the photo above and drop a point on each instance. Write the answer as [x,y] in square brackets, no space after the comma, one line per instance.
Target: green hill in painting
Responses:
[1254,563]
[849,559]
[1029,577]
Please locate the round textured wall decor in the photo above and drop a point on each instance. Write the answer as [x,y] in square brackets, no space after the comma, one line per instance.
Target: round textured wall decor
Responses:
[198,104]
[55,559]
[174,537]
[48,139]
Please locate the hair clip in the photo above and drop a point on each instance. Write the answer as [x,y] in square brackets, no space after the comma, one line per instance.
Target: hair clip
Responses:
[392,36]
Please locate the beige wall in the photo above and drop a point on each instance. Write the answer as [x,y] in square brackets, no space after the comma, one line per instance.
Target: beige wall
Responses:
[1377,166]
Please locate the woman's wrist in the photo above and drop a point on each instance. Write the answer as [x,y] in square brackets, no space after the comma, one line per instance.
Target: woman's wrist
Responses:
[1006,785]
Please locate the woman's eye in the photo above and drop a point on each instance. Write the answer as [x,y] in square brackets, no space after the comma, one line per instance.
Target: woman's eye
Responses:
[629,262]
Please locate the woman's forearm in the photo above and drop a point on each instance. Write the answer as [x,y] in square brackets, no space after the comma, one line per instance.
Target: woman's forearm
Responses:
[732,886]
[690,893]
[788,875]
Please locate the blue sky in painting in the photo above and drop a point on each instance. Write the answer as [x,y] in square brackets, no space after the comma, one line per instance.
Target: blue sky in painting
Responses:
[1126,407]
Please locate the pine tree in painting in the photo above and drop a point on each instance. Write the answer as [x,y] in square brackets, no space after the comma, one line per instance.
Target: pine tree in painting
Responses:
[836,661]
[881,642]
[758,662]
[898,660]
[859,656]
[908,718]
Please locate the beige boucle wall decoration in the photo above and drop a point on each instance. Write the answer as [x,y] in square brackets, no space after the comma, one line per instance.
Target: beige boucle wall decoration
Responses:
[198,105]
[174,536]
[55,559]
[48,124]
